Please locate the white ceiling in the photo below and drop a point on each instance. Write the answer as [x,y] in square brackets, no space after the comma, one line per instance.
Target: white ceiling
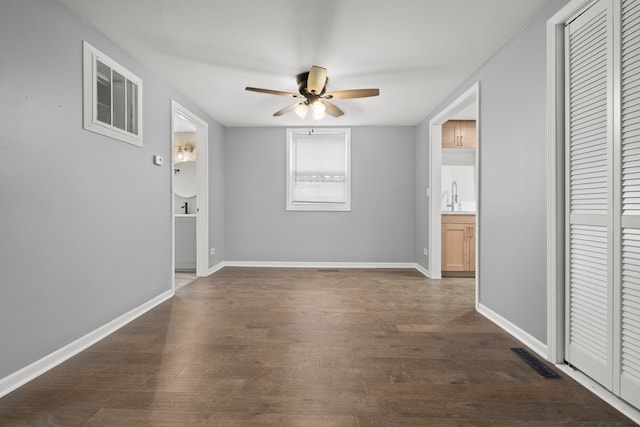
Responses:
[416,51]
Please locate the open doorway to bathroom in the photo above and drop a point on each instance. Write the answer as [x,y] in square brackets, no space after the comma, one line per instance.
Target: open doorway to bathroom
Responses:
[189,195]
[454,208]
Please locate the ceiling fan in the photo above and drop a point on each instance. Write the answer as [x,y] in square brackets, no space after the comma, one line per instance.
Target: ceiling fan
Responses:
[312,87]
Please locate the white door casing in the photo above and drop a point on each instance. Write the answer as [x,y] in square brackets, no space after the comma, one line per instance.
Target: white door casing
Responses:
[202,201]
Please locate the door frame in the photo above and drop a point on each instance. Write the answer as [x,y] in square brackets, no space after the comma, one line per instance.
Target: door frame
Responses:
[202,200]
[555,178]
[434,189]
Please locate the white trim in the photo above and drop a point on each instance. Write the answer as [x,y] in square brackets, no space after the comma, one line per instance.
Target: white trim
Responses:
[435,193]
[89,74]
[296,264]
[527,339]
[423,270]
[435,187]
[50,361]
[615,151]
[216,268]
[202,196]
[604,394]
[290,150]
[555,177]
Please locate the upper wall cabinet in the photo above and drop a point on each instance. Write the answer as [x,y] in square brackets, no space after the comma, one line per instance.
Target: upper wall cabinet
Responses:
[459,134]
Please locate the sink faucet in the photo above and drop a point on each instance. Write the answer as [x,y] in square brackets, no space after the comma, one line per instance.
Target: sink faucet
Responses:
[454,196]
[186,207]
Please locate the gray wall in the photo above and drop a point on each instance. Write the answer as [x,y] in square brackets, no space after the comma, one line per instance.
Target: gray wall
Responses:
[512,177]
[85,220]
[380,227]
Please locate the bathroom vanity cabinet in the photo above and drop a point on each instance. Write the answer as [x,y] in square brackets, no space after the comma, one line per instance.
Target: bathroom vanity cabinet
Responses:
[458,245]
[185,243]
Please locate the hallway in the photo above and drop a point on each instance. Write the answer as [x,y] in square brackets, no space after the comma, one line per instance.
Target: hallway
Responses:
[306,347]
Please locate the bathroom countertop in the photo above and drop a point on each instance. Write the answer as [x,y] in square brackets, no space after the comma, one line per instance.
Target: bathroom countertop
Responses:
[185,215]
[458,212]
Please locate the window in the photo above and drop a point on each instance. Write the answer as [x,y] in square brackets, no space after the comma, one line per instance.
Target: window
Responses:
[318,169]
[112,98]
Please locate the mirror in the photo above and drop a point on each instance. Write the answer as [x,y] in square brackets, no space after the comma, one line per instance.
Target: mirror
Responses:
[184,180]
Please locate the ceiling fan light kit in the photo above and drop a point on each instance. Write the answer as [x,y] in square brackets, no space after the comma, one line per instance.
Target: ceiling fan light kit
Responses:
[301,109]
[312,86]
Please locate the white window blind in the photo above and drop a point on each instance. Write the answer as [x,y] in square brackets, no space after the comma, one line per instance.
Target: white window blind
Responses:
[318,169]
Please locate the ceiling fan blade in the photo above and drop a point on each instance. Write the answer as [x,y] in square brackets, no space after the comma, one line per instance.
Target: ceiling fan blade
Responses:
[317,80]
[286,110]
[273,92]
[331,109]
[353,93]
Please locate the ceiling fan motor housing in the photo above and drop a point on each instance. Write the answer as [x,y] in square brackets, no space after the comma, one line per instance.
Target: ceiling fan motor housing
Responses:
[302,86]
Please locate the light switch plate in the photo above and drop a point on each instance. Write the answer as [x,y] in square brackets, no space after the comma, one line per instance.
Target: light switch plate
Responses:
[158,160]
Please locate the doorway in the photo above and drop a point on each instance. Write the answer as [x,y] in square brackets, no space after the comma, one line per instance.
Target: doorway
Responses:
[465,107]
[189,196]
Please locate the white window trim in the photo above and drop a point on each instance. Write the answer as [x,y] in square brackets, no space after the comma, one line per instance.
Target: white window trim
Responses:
[319,206]
[90,113]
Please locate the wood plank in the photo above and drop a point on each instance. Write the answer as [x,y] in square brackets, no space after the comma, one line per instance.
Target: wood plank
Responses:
[292,347]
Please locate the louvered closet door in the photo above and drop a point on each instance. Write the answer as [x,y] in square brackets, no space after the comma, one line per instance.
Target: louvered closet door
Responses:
[589,188]
[630,220]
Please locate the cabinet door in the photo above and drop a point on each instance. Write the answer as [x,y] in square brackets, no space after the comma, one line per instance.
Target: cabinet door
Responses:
[185,243]
[449,135]
[455,247]
[472,247]
[468,131]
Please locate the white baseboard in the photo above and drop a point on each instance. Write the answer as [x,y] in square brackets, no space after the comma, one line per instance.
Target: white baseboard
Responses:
[422,270]
[529,340]
[602,393]
[40,366]
[295,264]
[541,349]
[215,268]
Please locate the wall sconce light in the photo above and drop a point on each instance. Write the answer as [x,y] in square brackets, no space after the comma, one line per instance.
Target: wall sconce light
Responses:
[185,152]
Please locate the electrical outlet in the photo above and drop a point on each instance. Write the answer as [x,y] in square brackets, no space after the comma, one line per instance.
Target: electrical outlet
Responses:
[213,251]
[426,251]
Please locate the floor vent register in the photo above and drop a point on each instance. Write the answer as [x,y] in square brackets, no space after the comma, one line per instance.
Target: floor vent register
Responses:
[536,364]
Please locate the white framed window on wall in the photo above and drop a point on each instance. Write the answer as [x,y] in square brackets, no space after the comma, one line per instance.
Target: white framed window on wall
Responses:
[112,98]
[319,169]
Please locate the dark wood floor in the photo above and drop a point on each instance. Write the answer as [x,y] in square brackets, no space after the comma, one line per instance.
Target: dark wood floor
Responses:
[294,347]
